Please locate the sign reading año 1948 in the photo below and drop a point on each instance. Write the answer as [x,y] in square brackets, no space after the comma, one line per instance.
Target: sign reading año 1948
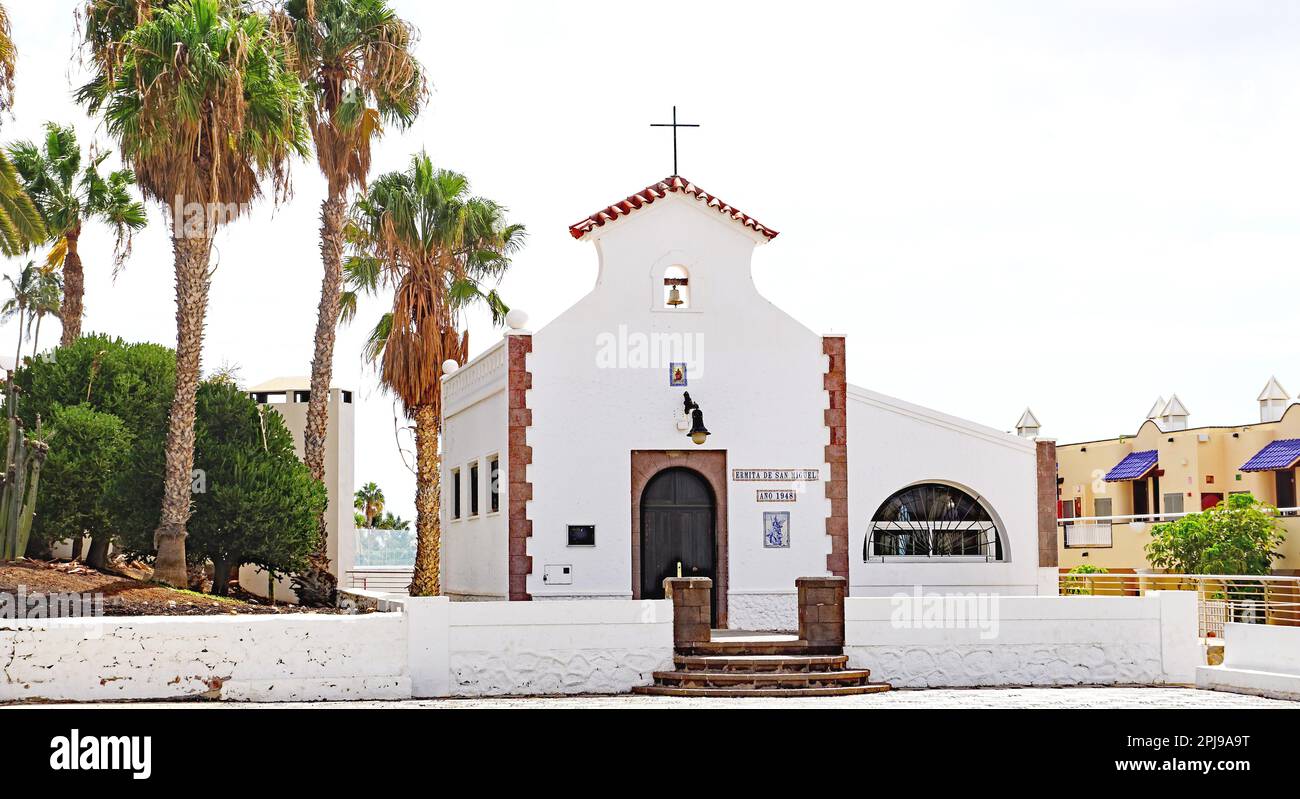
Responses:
[777,495]
[775,474]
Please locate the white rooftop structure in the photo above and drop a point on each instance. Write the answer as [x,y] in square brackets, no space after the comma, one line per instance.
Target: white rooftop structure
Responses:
[1028,425]
[1273,401]
[1174,415]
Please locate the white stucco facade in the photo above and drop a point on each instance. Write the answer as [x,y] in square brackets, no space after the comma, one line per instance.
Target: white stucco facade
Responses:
[894,444]
[474,431]
[598,404]
[289,396]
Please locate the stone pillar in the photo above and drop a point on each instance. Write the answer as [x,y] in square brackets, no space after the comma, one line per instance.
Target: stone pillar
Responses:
[836,420]
[518,455]
[692,610]
[821,611]
[1047,495]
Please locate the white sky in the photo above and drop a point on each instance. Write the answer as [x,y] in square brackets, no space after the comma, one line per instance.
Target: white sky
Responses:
[1074,207]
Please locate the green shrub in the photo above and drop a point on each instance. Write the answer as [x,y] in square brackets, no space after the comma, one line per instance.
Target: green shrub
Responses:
[1239,536]
[133,382]
[1073,585]
[88,452]
[258,503]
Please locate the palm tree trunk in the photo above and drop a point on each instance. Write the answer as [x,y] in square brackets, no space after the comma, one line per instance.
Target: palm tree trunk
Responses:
[191,256]
[36,339]
[18,355]
[97,557]
[74,288]
[322,368]
[427,580]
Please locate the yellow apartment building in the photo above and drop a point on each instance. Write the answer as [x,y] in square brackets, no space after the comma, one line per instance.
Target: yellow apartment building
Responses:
[1111,491]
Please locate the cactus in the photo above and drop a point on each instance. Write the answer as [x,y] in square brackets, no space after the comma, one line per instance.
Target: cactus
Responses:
[24,457]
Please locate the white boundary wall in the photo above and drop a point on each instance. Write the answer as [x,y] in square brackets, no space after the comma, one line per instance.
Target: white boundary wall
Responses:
[254,658]
[1148,640]
[429,647]
[421,647]
[586,646]
[1260,659]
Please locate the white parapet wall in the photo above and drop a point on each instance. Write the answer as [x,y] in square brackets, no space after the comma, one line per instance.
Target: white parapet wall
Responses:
[423,647]
[1260,659]
[557,647]
[298,657]
[920,641]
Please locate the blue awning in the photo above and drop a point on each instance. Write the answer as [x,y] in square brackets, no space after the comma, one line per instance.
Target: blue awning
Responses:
[1135,466]
[1281,454]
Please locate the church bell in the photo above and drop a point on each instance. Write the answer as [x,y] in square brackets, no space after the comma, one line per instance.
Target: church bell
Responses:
[674,297]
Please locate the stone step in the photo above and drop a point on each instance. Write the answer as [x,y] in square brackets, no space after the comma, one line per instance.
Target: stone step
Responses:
[735,692]
[755,663]
[757,647]
[759,680]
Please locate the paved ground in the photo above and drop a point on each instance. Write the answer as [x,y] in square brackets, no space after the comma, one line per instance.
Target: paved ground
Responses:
[935,698]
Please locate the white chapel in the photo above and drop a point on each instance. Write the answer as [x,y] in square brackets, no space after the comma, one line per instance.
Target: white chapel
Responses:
[644,433]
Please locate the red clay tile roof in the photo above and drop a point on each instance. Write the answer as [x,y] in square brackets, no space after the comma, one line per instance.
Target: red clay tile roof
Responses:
[653,192]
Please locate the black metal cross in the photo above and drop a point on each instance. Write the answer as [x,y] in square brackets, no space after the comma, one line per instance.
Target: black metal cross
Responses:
[674,125]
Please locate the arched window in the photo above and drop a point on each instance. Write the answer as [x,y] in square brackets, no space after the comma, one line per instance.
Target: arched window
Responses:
[677,288]
[933,520]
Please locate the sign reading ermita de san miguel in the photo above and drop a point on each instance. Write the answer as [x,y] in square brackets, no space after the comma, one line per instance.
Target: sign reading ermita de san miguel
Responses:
[775,474]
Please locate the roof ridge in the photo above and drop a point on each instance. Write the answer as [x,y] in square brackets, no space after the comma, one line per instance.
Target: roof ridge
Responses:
[669,185]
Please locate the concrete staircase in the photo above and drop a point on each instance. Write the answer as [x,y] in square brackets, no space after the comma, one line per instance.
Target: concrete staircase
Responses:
[759,665]
[712,662]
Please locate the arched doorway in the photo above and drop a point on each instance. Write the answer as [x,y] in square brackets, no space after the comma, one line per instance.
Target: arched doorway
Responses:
[677,528]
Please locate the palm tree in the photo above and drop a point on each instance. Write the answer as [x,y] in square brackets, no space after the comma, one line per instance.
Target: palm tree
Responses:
[201,99]
[20,222]
[421,233]
[47,301]
[355,57]
[68,196]
[370,501]
[22,296]
[391,522]
[8,63]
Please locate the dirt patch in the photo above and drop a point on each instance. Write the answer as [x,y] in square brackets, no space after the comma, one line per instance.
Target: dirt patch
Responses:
[126,593]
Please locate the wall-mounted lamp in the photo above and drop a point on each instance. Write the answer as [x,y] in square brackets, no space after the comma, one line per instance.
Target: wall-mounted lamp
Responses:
[698,432]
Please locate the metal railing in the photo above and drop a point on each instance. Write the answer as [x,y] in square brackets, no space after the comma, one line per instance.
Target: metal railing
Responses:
[1081,532]
[392,579]
[1221,598]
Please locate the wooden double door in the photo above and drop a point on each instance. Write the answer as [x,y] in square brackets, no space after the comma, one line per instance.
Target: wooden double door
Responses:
[678,531]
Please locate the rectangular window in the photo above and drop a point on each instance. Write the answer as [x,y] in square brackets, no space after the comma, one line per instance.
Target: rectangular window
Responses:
[582,535]
[494,488]
[455,493]
[1101,506]
[473,489]
[1173,503]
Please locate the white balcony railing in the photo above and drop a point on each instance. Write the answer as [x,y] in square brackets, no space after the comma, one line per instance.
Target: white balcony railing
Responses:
[1098,531]
[1221,598]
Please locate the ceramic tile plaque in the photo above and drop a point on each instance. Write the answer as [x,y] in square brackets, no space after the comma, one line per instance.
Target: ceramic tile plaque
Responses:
[776,529]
